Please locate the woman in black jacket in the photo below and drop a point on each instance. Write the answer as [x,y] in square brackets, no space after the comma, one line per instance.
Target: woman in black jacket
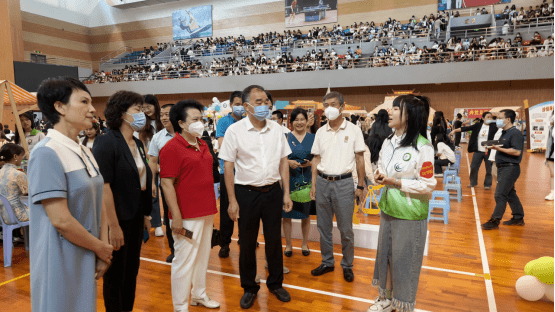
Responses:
[481,131]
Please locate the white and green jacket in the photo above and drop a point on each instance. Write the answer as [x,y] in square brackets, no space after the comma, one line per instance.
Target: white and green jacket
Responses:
[415,169]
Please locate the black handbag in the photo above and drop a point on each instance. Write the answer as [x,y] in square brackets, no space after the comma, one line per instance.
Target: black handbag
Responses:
[216,238]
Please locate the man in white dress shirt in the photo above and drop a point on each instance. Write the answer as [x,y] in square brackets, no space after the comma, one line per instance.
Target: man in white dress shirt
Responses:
[255,153]
[338,147]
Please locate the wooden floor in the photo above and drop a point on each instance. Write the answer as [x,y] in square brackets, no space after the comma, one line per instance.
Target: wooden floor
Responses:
[452,278]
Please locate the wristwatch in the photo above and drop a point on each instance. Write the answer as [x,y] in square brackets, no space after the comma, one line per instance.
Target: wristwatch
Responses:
[360,187]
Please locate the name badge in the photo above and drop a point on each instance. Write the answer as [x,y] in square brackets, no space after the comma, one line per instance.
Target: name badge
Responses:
[346,139]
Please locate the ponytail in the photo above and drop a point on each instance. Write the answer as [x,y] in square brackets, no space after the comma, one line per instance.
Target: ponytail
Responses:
[9,150]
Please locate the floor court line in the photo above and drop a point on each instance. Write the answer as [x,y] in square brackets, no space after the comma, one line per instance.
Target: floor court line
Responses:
[372,259]
[321,292]
[485,264]
[15,279]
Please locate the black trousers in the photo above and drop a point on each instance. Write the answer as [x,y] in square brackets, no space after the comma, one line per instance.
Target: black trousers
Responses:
[226,224]
[438,163]
[505,193]
[167,221]
[457,138]
[253,206]
[120,280]
[477,159]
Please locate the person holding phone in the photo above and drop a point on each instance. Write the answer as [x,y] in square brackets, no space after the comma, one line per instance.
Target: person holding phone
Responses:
[188,184]
[300,177]
[406,168]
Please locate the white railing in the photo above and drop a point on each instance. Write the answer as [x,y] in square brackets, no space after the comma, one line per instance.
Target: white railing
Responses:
[119,51]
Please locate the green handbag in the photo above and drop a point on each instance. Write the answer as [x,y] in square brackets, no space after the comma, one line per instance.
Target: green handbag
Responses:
[301,194]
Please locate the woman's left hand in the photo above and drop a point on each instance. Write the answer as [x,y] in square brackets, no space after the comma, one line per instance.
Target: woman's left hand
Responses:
[147,224]
[101,268]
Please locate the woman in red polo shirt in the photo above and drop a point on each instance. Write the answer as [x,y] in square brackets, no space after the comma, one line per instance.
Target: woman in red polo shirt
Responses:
[188,185]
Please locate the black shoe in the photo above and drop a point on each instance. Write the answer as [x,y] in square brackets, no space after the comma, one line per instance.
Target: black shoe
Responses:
[247,300]
[471,185]
[224,252]
[281,294]
[348,275]
[514,221]
[169,259]
[306,253]
[492,224]
[322,269]
[487,187]
[288,253]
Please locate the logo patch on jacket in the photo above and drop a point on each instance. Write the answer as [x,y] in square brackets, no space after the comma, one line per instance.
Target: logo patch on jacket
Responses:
[427,170]
[406,157]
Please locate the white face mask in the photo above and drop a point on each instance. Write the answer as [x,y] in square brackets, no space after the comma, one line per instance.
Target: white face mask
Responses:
[331,113]
[195,129]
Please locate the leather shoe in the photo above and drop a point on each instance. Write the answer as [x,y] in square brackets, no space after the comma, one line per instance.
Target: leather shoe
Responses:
[322,269]
[348,275]
[281,294]
[224,252]
[306,253]
[169,259]
[247,300]
[288,253]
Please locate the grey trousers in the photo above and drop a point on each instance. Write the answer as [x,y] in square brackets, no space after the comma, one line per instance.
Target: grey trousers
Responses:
[337,197]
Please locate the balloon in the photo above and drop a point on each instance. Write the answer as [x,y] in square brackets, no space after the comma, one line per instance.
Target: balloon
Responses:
[542,268]
[549,292]
[217,108]
[530,288]
[205,108]
[209,115]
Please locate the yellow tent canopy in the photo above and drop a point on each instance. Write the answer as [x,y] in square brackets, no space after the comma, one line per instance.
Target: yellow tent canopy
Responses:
[15,95]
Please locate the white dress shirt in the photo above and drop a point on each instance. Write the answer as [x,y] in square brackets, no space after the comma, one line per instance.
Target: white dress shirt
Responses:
[337,148]
[482,137]
[256,154]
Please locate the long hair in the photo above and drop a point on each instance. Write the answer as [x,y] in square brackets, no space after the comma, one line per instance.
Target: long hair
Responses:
[96,127]
[30,116]
[148,131]
[417,109]
[374,143]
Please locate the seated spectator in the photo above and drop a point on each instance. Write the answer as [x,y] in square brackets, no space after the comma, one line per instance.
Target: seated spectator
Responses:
[518,39]
[13,183]
[537,39]
[505,29]
[444,155]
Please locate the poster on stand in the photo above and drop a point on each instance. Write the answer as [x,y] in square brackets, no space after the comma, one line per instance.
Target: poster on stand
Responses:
[469,114]
[539,124]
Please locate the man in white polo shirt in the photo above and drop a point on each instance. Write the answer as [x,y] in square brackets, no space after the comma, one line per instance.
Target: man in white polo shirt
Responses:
[255,153]
[337,149]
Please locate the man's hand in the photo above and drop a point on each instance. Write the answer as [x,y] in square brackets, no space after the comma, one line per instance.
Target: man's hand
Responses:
[101,268]
[233,210]
[287,203]
[359,195]
[115,237]
[313,192]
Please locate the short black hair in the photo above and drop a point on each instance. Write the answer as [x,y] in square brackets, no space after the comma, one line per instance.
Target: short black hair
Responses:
[459,115]
[179,112]
[269,95]
[9,150]
[296,112]
[117,105]
[247,92]
[167,105]
[509,113]
[335,95]
[56,89]
[235,94]
[279,114]
[484,114]
[417,108]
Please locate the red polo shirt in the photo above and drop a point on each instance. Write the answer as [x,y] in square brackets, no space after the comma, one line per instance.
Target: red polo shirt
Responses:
[192,168]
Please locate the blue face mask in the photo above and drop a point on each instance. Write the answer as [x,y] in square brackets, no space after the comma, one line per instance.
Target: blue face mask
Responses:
[261,112]
[487,122]
[139,121]
[238,111]
[499,123]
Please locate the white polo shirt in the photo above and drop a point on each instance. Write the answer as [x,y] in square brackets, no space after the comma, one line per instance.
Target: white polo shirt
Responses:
[337,148]
[256,154]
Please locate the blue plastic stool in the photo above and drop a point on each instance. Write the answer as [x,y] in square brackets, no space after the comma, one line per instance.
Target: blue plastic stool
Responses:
[454,186]
[443,203]
[448,173]
[7,232]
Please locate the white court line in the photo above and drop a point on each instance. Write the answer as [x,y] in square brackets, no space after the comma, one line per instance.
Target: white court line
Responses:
[372,259]
[485,264]
[316,291]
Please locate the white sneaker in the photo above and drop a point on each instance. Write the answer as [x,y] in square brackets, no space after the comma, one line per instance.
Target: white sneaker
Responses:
[550,196]
[381,305]
[159,232]
[207,302]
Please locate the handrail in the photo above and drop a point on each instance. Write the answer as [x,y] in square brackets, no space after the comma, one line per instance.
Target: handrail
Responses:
[378,61]
[63,61]
[115,53]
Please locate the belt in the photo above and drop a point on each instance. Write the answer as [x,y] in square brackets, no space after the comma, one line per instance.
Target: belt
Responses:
[335,177]
[506,165]
[262,189]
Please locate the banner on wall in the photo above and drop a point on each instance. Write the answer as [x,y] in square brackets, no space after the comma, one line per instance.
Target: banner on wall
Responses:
[469,114]
[310,12]
[539,124]
[192,23]
[459,4]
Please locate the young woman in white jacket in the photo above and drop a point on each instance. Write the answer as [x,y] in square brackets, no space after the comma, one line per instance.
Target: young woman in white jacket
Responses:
[406,168]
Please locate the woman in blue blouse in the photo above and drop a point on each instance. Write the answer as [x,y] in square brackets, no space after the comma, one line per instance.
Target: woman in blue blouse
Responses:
[300,177]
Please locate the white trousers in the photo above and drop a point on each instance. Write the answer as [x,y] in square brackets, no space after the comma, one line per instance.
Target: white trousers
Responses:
[190,261]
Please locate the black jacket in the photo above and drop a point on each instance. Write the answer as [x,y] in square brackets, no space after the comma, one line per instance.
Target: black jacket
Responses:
[118,168]
[215,162]
[475,128]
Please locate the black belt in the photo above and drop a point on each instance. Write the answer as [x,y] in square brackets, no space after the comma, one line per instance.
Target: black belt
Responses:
[506,165]
[262,189]
[335,177]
